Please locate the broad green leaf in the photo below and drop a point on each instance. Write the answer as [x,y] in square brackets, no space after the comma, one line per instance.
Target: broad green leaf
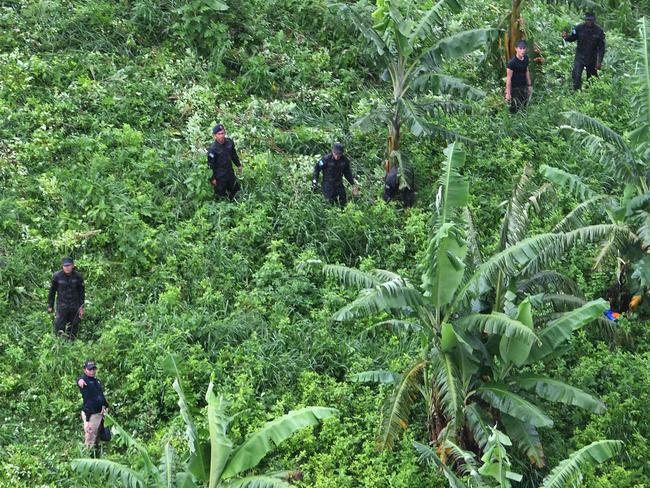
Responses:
[502,398]
[516,349]
[567,180]
[458,45]
[398,407]
[431,458]
[260,443]
[570,469]
[561,329]
[526,437]
[557,391]
[499,323]
[220,445]
[444,266]
[377,376]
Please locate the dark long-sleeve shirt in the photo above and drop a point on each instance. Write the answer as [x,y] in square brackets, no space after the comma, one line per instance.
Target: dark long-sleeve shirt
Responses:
[591,43]
[69,290]
[333,171]
[93,395]
[221,157]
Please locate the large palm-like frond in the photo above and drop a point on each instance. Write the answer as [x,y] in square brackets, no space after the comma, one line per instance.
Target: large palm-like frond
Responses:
[569,470]
[560,329]
[429,456]
[258,482]
[449,392]
[526,438]
[431,19]
[273,433]
[501,397]
[112,470]
[393,294]
[457,45]
[558,391]
[398,407]
[364,27]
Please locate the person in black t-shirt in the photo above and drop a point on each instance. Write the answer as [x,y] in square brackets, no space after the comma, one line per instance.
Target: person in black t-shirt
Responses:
[221,157]
[518,85]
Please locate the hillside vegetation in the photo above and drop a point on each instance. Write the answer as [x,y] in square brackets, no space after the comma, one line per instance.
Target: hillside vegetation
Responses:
[106,110]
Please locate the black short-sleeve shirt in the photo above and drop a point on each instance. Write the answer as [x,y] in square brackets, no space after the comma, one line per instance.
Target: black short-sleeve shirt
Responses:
[519,68]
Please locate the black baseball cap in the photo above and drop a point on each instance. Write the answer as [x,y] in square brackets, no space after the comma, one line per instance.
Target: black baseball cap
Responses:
[218,128]
[590,16]
[67,260]
[90,364]
[521,43]
[337,148]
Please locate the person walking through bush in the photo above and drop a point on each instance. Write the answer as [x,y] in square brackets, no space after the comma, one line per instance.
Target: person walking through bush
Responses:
[334,167]
[589,50]
[518,84]
[94,403]
[221,157]
[68,288]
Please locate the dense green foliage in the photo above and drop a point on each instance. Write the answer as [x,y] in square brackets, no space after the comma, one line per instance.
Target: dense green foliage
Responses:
[105,111]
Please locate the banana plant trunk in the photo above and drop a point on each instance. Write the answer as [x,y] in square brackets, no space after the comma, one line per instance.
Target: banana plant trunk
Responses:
[515,31]
[393,141]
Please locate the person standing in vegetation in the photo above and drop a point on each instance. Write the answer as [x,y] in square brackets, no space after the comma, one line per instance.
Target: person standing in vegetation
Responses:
[94,403]
[518,84]
[68,288]
[221,157]
[334,167]
[589,51]
[392,190]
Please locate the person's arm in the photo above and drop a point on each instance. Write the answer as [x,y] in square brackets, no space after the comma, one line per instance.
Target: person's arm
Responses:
[317,169]
[571,37]
[347,172]
[600,50]
[508,83]
[52,294]
[81,289]
[235,156]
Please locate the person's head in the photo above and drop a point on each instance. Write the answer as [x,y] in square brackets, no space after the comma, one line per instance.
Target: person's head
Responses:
[219,133]
[67,264]
[90,368]
[337,150]
[520,48]
[590,19]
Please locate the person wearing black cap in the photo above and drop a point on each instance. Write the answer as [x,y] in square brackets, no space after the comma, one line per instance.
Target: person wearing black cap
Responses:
[94,403]
[221,157]
[518,84]
[590,49]
[68,288]
[334,167]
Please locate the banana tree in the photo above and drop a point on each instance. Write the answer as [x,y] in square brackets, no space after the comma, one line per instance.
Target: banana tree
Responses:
[215,461]
[411,49]
[495,468]
[473,369]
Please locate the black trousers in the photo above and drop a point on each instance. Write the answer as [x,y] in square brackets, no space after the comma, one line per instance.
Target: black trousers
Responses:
[227,187]
[518,98]
[66,322]
[335,194]
[578,66]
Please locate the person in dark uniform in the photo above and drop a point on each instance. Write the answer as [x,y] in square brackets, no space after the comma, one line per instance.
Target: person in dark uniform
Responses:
[589,51]
[334,167]
[94,403]
[68,288]
[518,84]
[221,157]
[392,190]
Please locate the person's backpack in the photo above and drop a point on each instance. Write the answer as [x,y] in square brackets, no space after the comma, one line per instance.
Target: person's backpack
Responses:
[104,432]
